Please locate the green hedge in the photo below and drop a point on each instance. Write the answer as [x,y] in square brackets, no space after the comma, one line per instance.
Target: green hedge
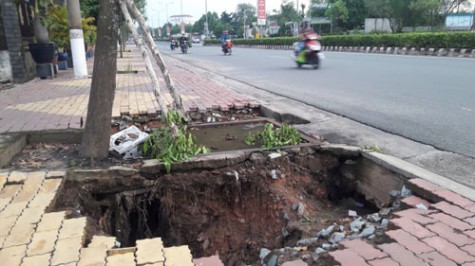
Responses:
[418,40]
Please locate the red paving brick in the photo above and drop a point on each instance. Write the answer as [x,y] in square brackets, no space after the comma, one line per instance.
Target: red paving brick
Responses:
[409,241]
[470,220]
[436,259]
[413,201]
[450,234]
[470,208]
[453,210]
[412,227]
[470,233]
[365,250]
[208,261]
[422,187]
[295,263]
[401,255]
[454,198]
[383,262]
[416,215]
[449,250]
[348,257]
[470,249]
[451,221]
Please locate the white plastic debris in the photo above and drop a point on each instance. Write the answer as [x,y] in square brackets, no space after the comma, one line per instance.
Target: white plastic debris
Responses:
[125,143]
[421,206]
[352,213]
[274,155]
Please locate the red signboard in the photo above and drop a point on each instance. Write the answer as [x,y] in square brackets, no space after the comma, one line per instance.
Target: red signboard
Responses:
[261,9]
[261,12]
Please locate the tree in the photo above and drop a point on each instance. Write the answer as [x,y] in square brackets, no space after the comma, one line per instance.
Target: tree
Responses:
[245,14]
[95,140]
[90,8]
[226,17]
[356,14]
[338,12]
[213,20]
[429,12]
[287,13]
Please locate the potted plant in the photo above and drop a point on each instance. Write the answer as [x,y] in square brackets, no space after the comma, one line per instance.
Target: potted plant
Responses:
[58,27]
[42,50]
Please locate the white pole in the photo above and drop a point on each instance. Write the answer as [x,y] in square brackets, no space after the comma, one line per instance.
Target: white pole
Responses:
[76,36]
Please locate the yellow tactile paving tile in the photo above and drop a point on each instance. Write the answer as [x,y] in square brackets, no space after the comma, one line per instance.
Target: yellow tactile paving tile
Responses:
[149,251]
[17,177]
[74,83]
[126,259]
[51,221]
[59,106]
[42,243]
[67,251]
[178,256]
[12,255]
[39,260]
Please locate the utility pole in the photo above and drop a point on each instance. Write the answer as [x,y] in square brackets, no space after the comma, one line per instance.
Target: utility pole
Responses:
[206,15]
[76,36]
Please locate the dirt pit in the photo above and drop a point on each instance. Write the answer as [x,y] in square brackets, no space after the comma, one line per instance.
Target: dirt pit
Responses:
[236,211]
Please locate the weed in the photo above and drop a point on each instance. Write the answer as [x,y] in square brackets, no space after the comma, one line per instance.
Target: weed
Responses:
[167,148]
[374,148]
[272,137]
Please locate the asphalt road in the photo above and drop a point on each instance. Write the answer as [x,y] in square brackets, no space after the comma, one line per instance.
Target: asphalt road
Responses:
[427,99]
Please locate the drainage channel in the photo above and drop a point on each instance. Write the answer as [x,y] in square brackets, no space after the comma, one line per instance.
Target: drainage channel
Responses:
[263,208]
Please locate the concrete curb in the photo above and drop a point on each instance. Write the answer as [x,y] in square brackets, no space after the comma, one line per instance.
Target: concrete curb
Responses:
[447,52]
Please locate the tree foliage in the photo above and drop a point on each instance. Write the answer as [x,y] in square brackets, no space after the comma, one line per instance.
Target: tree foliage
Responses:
[90,8]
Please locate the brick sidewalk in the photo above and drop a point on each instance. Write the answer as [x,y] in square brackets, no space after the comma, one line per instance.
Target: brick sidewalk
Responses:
[61,102]
[31,236]
[444,234]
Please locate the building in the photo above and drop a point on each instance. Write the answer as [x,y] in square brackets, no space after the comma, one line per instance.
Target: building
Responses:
[459,21]
[16,63]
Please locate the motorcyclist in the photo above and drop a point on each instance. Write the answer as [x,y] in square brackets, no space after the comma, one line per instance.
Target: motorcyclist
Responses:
[225,36]
[183,40]
[172,42]
[305,35]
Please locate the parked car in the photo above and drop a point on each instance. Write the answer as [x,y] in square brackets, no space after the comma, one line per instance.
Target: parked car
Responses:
[195,40]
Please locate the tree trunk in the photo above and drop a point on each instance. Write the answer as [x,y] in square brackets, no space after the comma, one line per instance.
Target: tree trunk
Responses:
[178,104]
[41,32]
[95,140]
[148,64]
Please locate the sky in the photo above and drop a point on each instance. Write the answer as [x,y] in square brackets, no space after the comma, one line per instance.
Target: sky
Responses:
[158,8]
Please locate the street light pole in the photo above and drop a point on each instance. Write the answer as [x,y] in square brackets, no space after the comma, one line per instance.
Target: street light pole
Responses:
[206,15]
[244,19]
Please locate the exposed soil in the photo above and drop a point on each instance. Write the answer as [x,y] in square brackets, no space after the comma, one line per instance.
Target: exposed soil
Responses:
[233,211]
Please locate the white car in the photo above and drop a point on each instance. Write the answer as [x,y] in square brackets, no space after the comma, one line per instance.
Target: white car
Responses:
[195,40]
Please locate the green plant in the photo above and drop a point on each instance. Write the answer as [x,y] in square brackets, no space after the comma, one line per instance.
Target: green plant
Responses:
[271,137]
[374,148]
[167,148]
[58,26]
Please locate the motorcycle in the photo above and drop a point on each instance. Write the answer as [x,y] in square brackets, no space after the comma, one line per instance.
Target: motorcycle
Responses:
[184,47]
[227,47]
[173,45]
[308,52]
